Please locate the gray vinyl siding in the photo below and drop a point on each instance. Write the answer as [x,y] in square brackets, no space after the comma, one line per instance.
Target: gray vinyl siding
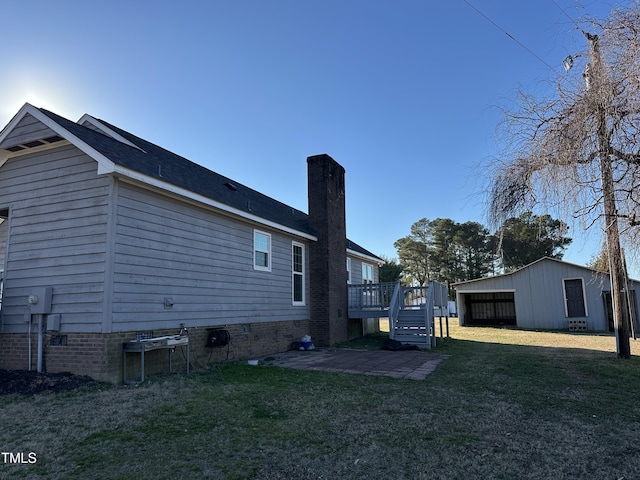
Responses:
[4,231]
[202,260]
[57,206]
[356,270]
[28,129]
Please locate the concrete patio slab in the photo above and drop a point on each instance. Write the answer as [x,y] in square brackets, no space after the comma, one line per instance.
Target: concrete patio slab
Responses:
[411,364]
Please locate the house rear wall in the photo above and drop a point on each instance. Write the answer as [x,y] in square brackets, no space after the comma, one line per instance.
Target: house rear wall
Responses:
[56,232]
[112,252]
[100,355]
[203,261]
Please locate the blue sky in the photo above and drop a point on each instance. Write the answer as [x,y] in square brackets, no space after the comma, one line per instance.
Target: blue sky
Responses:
[403,94]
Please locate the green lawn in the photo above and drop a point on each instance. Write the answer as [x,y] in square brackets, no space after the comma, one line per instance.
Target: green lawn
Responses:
[506,404]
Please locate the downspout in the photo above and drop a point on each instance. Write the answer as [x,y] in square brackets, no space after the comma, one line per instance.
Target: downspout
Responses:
[28,318]
[28,314]
[40,343]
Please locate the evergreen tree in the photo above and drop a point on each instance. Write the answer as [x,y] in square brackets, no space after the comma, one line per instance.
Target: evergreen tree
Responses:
[445,250]
[390,271]
[530,237]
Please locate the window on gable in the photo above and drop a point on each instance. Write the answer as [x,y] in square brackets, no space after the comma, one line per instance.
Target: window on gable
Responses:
[261,251]
[297,273]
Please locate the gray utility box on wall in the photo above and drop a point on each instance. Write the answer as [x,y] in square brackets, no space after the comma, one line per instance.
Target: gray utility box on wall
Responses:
[53,323]
[40,300]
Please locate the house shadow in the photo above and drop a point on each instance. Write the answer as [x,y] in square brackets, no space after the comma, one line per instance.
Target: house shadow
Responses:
[549,343]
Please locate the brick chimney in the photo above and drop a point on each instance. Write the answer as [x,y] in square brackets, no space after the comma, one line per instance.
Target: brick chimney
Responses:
[327,256]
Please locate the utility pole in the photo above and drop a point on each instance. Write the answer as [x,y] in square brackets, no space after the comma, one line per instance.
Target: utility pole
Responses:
[600,91]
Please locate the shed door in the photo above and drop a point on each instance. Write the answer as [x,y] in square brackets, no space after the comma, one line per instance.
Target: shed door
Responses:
[574,295]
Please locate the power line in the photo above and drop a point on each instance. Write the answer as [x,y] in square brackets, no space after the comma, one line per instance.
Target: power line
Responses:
[511,36]
[566,14]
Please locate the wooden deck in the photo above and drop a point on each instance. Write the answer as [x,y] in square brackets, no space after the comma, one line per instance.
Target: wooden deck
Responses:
[411,310]
[370,300]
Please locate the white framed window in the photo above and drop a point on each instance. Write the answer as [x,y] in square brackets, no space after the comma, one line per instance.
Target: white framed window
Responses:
[349,270]
[261,251]
[367,273]
[297,273]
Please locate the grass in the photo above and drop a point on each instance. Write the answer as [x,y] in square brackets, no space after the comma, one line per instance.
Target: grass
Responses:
[506,404]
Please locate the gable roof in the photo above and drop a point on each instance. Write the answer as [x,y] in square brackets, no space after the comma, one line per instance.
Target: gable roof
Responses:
[163,166]
[358,251]
[119,152]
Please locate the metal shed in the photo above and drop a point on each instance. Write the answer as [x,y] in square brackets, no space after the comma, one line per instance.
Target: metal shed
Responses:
[546,294]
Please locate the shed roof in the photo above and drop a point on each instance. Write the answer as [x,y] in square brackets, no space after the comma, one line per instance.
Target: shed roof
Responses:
[543,259]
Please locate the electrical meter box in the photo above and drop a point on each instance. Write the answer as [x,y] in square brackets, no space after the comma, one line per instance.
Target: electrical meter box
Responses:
[53,323]
[39,300]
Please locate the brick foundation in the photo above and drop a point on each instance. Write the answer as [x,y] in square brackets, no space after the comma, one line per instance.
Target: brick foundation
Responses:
[100,355]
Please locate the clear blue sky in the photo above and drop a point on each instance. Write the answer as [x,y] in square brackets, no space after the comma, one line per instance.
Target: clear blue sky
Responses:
[402,93]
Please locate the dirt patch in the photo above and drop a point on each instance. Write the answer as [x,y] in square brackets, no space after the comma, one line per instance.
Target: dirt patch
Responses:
[25,382]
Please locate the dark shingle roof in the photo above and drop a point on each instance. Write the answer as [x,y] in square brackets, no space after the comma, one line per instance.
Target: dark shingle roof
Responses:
[156,162]
[357,248]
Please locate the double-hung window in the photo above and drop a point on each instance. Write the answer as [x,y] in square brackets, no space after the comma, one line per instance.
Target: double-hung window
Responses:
[297,273]
[367,273]
[261,251]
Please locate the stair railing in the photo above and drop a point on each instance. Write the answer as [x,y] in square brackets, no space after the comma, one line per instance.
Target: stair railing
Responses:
[395,304]
[425,299]
[439,299]
[428,316]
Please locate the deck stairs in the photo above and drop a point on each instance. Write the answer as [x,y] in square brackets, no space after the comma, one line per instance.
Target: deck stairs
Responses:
[412,314]
[411,310]
[410,327]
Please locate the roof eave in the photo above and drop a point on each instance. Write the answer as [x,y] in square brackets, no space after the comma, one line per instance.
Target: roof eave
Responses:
[375,260]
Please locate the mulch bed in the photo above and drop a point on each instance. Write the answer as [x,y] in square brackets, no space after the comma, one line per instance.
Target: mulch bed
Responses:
[25,382]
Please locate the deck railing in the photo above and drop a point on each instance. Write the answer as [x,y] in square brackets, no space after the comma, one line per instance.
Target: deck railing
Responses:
[378,296]
[414,298]
[370,296]
[389,298]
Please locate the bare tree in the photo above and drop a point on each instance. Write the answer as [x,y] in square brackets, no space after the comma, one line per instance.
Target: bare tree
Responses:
[579,150]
